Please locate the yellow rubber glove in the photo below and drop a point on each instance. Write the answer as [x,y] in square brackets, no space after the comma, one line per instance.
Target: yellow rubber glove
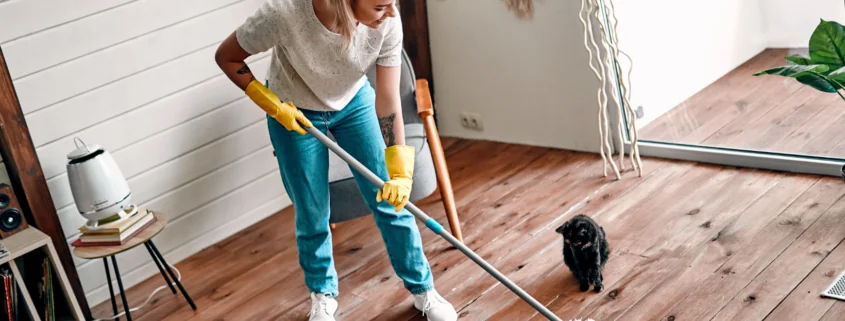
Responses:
[400,169]
[285,113]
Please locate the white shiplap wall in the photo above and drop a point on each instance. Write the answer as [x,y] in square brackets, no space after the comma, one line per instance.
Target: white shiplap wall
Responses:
[139,78]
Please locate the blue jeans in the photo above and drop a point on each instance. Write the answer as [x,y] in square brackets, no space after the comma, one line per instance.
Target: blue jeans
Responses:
[304,166]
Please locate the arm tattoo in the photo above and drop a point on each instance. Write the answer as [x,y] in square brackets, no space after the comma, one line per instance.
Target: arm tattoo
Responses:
[243,70]
[386,124]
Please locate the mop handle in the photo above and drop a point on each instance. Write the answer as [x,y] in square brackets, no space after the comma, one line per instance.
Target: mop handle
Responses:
[433,225]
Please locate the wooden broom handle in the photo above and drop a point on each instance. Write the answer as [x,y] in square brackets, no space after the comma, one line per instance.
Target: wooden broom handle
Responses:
[425,110]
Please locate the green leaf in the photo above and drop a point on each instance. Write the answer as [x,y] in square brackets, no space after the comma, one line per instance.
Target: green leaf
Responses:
[836,79]
[799,60]
[818,82]
[827,44]
[795,71]
[810,75]
[837,76]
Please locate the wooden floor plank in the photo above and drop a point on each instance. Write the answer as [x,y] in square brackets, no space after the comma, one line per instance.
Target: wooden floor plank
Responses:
[804,303]
[283,266]
[558,287]
[688,241]
[814,130]
[827,141]
[693,218]
[657,242]
[723,283]
[211,267]
[548,244]
[740,130]
[501,238]
[478,282]
[836,312]
[779,124]
[708,256]
[778,279]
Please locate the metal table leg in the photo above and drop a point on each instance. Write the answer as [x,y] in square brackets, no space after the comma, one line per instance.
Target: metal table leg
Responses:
[160,269]
[120,286]
[111,288]
[172,275]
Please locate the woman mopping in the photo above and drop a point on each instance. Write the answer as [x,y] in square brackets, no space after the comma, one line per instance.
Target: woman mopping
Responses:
[321,52]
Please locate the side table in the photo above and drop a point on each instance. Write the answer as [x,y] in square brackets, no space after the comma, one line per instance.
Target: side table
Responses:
[145,237]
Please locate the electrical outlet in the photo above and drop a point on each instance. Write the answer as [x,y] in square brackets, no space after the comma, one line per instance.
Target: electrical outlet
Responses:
[471,121]
[465,121]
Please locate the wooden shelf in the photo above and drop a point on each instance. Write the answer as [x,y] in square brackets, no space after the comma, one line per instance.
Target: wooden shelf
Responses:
[25,242]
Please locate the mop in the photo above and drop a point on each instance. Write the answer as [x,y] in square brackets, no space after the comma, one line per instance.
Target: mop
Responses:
[434,226]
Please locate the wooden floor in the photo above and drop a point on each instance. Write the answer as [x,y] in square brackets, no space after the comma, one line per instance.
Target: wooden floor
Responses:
[765,113]
[688,241]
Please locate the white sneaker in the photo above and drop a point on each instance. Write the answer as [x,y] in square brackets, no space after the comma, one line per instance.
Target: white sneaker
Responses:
[323,307]
[434,307]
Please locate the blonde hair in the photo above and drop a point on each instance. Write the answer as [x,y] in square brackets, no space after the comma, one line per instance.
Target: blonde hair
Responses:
[344,20]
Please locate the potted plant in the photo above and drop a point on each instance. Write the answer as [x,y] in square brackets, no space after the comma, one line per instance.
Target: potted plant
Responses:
[824,69]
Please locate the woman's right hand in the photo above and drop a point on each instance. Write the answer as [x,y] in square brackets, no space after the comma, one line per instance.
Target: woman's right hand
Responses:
[285,113]
[230,57]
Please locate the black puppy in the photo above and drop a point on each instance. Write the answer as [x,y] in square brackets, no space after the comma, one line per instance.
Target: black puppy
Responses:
[585,250]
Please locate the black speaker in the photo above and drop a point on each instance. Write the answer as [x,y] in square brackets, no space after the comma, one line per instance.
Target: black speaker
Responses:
[11,217]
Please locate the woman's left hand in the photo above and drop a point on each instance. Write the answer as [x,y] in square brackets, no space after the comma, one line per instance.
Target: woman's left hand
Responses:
[400,168]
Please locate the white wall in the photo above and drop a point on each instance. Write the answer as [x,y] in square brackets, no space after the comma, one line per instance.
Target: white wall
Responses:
[678,54]
[789,23]
[139,78]
[528,79]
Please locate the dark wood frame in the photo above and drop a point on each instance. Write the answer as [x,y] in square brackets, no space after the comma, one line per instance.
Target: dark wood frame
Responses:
[28,181]
[415,29]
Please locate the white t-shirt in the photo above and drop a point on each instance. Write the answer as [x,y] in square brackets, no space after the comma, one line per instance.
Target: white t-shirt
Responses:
[308,66]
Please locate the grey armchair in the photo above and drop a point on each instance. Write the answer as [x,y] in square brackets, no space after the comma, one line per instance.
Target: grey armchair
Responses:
[430,169]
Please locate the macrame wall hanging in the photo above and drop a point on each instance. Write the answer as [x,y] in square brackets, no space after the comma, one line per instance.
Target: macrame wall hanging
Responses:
[602,14]
[524,9]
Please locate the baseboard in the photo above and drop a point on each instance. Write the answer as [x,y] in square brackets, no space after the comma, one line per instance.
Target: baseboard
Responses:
[138,275]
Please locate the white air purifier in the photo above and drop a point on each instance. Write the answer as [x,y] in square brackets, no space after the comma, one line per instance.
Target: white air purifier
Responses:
[99,189]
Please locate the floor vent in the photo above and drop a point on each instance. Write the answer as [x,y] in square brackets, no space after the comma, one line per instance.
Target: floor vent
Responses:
[836,289]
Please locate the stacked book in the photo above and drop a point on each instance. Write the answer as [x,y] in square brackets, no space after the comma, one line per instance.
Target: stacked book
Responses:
[115,232]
